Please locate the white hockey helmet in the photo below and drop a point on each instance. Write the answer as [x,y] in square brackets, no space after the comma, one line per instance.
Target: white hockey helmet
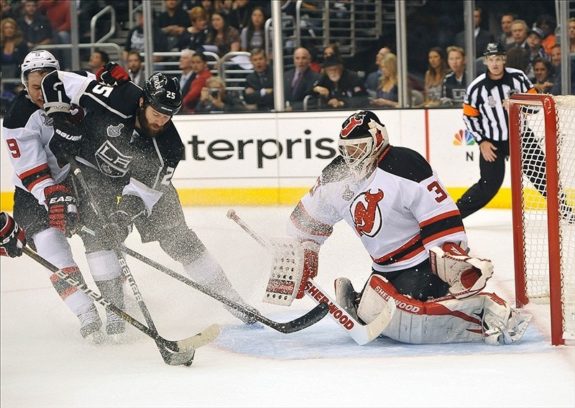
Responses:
[37,60]
[362,140]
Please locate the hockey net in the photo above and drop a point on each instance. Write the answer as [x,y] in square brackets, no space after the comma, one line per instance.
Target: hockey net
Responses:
[542,150]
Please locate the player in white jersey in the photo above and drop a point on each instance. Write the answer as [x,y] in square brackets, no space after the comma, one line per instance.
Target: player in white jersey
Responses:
[44,204]
[413,231]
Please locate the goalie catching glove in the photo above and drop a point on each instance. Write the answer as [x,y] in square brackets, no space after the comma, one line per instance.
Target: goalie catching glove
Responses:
[12,237]
[465,275]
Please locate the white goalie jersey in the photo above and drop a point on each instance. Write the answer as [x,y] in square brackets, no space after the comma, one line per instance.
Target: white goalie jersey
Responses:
[399,212]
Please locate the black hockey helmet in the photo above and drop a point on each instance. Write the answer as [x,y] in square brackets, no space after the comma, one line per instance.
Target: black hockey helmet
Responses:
[494,49]
[163,94]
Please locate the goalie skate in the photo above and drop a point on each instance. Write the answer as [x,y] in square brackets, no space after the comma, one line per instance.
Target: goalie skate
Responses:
[499,332]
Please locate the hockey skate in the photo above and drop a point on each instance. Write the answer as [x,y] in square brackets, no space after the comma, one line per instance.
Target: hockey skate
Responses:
[114,324]
[90,324]
[500,332]
[346,296]
[113,290]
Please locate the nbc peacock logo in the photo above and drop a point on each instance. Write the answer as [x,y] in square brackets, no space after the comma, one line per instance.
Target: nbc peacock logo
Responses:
[463,138]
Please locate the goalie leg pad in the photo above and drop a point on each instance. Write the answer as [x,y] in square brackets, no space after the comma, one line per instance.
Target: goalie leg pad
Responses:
[445,320]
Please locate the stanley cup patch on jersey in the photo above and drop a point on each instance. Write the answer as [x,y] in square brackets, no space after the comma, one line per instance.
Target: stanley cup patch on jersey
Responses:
[111,162]
[114,131]
[366,213]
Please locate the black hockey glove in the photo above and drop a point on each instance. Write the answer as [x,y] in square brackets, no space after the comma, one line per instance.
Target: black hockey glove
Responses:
[12,237]
[112,74]
[66,139]
[62,209]
[121,220]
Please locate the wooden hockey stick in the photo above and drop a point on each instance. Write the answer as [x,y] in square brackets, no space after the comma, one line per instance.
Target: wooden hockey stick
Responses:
[181,352]
[308,319]
[362,334]
[169,358]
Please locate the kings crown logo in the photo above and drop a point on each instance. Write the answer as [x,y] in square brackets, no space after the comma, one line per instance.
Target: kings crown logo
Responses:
[463,138]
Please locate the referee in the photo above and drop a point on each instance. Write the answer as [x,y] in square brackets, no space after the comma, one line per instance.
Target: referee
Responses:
[485,116]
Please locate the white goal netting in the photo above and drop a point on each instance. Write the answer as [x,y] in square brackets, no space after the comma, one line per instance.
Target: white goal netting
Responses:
[535,163]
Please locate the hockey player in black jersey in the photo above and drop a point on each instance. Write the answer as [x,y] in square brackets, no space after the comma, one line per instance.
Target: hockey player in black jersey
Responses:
[128,147]
[411,228]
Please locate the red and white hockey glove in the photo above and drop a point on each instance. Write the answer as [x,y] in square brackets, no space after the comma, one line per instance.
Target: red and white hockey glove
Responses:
[112,74]
[310,265]
[12,237]
[62,209]
[465,275]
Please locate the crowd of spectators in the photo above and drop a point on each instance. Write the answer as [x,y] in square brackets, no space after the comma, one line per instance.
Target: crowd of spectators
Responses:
[318,79]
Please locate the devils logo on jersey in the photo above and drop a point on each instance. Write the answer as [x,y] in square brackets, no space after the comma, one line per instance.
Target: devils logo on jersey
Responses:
[366,213]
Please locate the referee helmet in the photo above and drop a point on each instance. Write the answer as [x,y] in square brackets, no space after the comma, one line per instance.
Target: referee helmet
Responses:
[494,49]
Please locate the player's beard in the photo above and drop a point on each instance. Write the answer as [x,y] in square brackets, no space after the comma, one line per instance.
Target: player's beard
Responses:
[148,128]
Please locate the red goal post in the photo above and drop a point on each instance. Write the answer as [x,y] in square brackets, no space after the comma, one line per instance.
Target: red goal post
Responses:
[542,144]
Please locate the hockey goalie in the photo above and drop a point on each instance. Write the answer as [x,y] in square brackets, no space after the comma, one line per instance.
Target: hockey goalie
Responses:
[411,228]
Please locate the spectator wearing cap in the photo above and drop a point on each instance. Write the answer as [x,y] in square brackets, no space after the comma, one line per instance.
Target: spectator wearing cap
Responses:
[340,88]
[535,50]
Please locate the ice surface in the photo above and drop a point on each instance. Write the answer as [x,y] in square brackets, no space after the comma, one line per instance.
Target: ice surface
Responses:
[45,362]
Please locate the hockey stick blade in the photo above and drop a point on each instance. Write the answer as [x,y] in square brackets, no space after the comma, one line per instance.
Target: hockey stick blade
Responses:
[174,352]
[360,333]
[188,346]
[302,322]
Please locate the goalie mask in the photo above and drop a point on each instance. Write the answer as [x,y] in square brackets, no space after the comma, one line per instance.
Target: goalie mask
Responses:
[40,60]
[362,139]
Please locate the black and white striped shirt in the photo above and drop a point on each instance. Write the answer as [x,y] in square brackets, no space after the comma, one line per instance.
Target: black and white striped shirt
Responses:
[484,113]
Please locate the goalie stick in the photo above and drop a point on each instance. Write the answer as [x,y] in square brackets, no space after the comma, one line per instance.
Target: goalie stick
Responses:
[178,352]
[168,358]
[362,334]
[308,319]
